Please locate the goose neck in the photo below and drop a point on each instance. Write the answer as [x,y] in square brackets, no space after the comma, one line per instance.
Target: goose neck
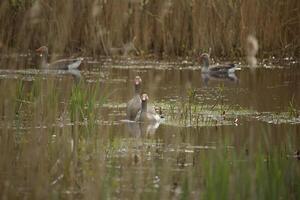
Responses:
[144,105]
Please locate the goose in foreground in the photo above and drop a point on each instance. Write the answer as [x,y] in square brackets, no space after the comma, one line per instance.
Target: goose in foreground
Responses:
[63,64]
[215,69]
[134,104]
[145,115]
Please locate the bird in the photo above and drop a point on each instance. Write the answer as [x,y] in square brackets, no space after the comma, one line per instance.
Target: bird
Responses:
[134,104]
[215,69]
[146,115]
[63,64]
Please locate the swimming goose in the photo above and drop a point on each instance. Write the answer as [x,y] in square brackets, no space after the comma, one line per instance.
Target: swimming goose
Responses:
[215,69]
[145,115]
[134,104]
[63,64]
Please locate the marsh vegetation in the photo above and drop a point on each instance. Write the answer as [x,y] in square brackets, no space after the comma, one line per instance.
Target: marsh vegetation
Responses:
[61,138]
[163,28]
[64,133]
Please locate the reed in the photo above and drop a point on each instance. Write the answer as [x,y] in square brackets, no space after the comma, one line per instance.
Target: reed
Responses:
[292,108]
[163,28]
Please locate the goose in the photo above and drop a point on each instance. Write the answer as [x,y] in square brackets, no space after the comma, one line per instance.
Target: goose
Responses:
[134,104]
[63,64]
[145,115]
[215,69]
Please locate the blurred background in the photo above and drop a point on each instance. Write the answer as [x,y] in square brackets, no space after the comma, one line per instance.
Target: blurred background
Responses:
[157,27]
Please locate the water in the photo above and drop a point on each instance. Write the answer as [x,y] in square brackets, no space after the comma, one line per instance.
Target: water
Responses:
[46,154]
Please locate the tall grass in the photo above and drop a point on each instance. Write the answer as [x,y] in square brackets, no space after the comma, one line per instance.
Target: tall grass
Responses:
[163,28]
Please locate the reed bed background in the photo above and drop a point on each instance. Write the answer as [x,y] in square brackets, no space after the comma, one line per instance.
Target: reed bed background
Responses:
[144,27]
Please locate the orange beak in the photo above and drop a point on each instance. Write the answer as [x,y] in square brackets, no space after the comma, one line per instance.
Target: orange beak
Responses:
[39,49]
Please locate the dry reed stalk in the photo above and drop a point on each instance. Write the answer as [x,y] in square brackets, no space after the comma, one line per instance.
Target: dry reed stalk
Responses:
[165,28]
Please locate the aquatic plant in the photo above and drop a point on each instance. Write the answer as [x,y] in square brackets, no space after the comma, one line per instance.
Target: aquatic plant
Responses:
[85,103]
[60,139]
[292,110]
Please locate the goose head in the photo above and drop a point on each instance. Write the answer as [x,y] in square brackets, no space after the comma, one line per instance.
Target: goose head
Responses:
[137,84]
[144,101]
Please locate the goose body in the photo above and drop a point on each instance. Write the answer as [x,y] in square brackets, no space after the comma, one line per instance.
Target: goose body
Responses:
[134,105]
[215,69]
[145,115]
[65,64]
[62,64]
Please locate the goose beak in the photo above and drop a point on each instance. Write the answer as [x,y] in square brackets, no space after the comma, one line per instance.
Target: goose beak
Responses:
[39,51]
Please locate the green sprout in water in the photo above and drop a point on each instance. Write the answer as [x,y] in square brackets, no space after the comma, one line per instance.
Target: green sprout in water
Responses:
[292,110]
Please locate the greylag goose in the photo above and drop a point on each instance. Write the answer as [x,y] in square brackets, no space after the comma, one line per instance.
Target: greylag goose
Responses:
[63,64]
[145,115]
[215,69]
[134,104]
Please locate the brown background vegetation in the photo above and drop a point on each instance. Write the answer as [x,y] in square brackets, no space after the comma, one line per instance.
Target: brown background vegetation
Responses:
[160,27]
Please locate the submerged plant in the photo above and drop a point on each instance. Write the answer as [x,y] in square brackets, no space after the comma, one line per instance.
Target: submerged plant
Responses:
[220,99]
[19,97]
[190,111]
[85,103]
[292,110]
[77,104]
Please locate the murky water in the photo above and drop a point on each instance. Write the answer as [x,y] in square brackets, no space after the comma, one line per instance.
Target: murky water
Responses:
[45,154]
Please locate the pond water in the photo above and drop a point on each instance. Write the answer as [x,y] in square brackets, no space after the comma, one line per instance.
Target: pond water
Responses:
[216,139]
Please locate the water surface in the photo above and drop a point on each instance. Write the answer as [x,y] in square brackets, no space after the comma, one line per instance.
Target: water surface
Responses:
[48,152]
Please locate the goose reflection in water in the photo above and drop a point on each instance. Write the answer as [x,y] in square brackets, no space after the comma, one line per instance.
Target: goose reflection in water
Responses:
[219,77]
[75,74]
[137,129]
